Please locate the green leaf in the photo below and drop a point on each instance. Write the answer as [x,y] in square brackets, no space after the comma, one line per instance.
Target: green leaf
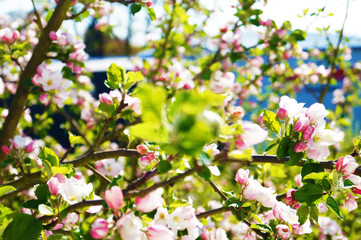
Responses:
[47,167]
[62,170]
[179,203]
[150,132]
[45,210]
[132,78]
[261,227]
[295,157]
[55,236]
[271,121]
[206,160]
[348,183]
[115,76]
[314,213]
[134,8]
[232,202]
[49,155]
[205,174]
[109,110]
[333,206]
[153,100]
[32,204]
[24,227]
[302,213]
[311,167]
[308,193]
[73,139]
[42,192]
[282,150]
[6,189]
[164,166]
[316,176]
[151,13]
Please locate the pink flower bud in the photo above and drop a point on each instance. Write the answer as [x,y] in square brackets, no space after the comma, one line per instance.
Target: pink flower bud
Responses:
[350,204]
[99,228]
[242,176]
[296,228]
[281,33]
[300,147]
[142,149]
[114,197]
[5,149]
[77,69]
[159,232]
[282,114]
[30,147]
[144,161]
[54,186]
[44,99]
[151,156]
[105,98]
[61,178]
[53,36]
[62,40]
[302,124]
[307,133]
[346,165]
[15,35]
[283,231]
[151,201]
[149,4]
[260,119]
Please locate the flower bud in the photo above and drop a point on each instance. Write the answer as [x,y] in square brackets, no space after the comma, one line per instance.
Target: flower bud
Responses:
[30,147]
[301,124]
[242,176]
[144,161]
[307,133]
[5,149]
[260,119]
[283,231]
[151,201]
[282,114]
[142,149]
[114,197]
[44,99]
[151,156]
[53,36]
[149,4]
[300,147]
[99,228]
[105,98]
[54,186]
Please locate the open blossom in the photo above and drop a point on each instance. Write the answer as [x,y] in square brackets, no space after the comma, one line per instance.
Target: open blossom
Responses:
[285,213]
[291,106]
[19,142]
[255,191]
[283,231]
[151,201]
[242,176]
[74,190]
[252,134]
[160,232]
[99,228]
[347,165]
[50,80]
[316,112]
[130,227]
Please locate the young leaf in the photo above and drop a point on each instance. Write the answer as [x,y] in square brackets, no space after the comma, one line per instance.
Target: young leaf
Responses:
[164,166]
[205,174]
[333,206]
[151,13]
[295,157]
[314,213]
[271,121]
[49,155]
[311,167]
[42,192]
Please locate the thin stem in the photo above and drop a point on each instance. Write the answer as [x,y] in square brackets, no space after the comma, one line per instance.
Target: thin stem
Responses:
[38,19]
[75,125]
[138,182]
[335,53]
[212,212]
[104,178]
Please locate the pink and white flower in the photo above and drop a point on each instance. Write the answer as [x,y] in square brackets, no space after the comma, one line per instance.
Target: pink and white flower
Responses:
[160,232]
[99,228]
[114,198]
[151,201]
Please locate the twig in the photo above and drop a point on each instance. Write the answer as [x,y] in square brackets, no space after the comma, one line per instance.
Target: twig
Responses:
[141,180]
[104,178]
[66,154]
[38,19]
[212,212]
[335,53]
[74,124]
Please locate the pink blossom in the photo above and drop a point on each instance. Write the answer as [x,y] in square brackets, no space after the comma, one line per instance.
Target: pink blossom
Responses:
[242,176]
[144,161]
[282,114]
[53,36]
[142,149]
[5,149]
[151,156]
[62,40]
[114,197]
[99,228]
[252,135]
[301,124]
[29,148]
[160,232]
[316,112]
[347,165]
[283,231]
[54,186]
[71,219]
[260,119]
[105,98]
[307,133]
[151,201]
[149,4]
[291,106]
[44,99]
[300,147]
[350,203]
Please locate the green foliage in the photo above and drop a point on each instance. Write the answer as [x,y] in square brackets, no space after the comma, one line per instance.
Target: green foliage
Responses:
[6,189]
[308,193]
[271,121]
[134,8]
[332,204]
[49,155]
[282,150]
[22,226]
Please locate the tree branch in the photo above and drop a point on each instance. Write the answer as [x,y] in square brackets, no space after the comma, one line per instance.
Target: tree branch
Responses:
[39,54]
[212,212]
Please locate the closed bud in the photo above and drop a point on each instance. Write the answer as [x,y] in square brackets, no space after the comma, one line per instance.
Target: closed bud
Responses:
[142,149]
[307,133]
[114,197]
[300,147]
[282,114]
[99,228]
[5,149]
[242,176]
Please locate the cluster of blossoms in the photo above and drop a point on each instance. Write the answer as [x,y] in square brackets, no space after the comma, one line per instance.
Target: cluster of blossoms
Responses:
[309,123]
[19,143]
[252,189]
[148,156]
